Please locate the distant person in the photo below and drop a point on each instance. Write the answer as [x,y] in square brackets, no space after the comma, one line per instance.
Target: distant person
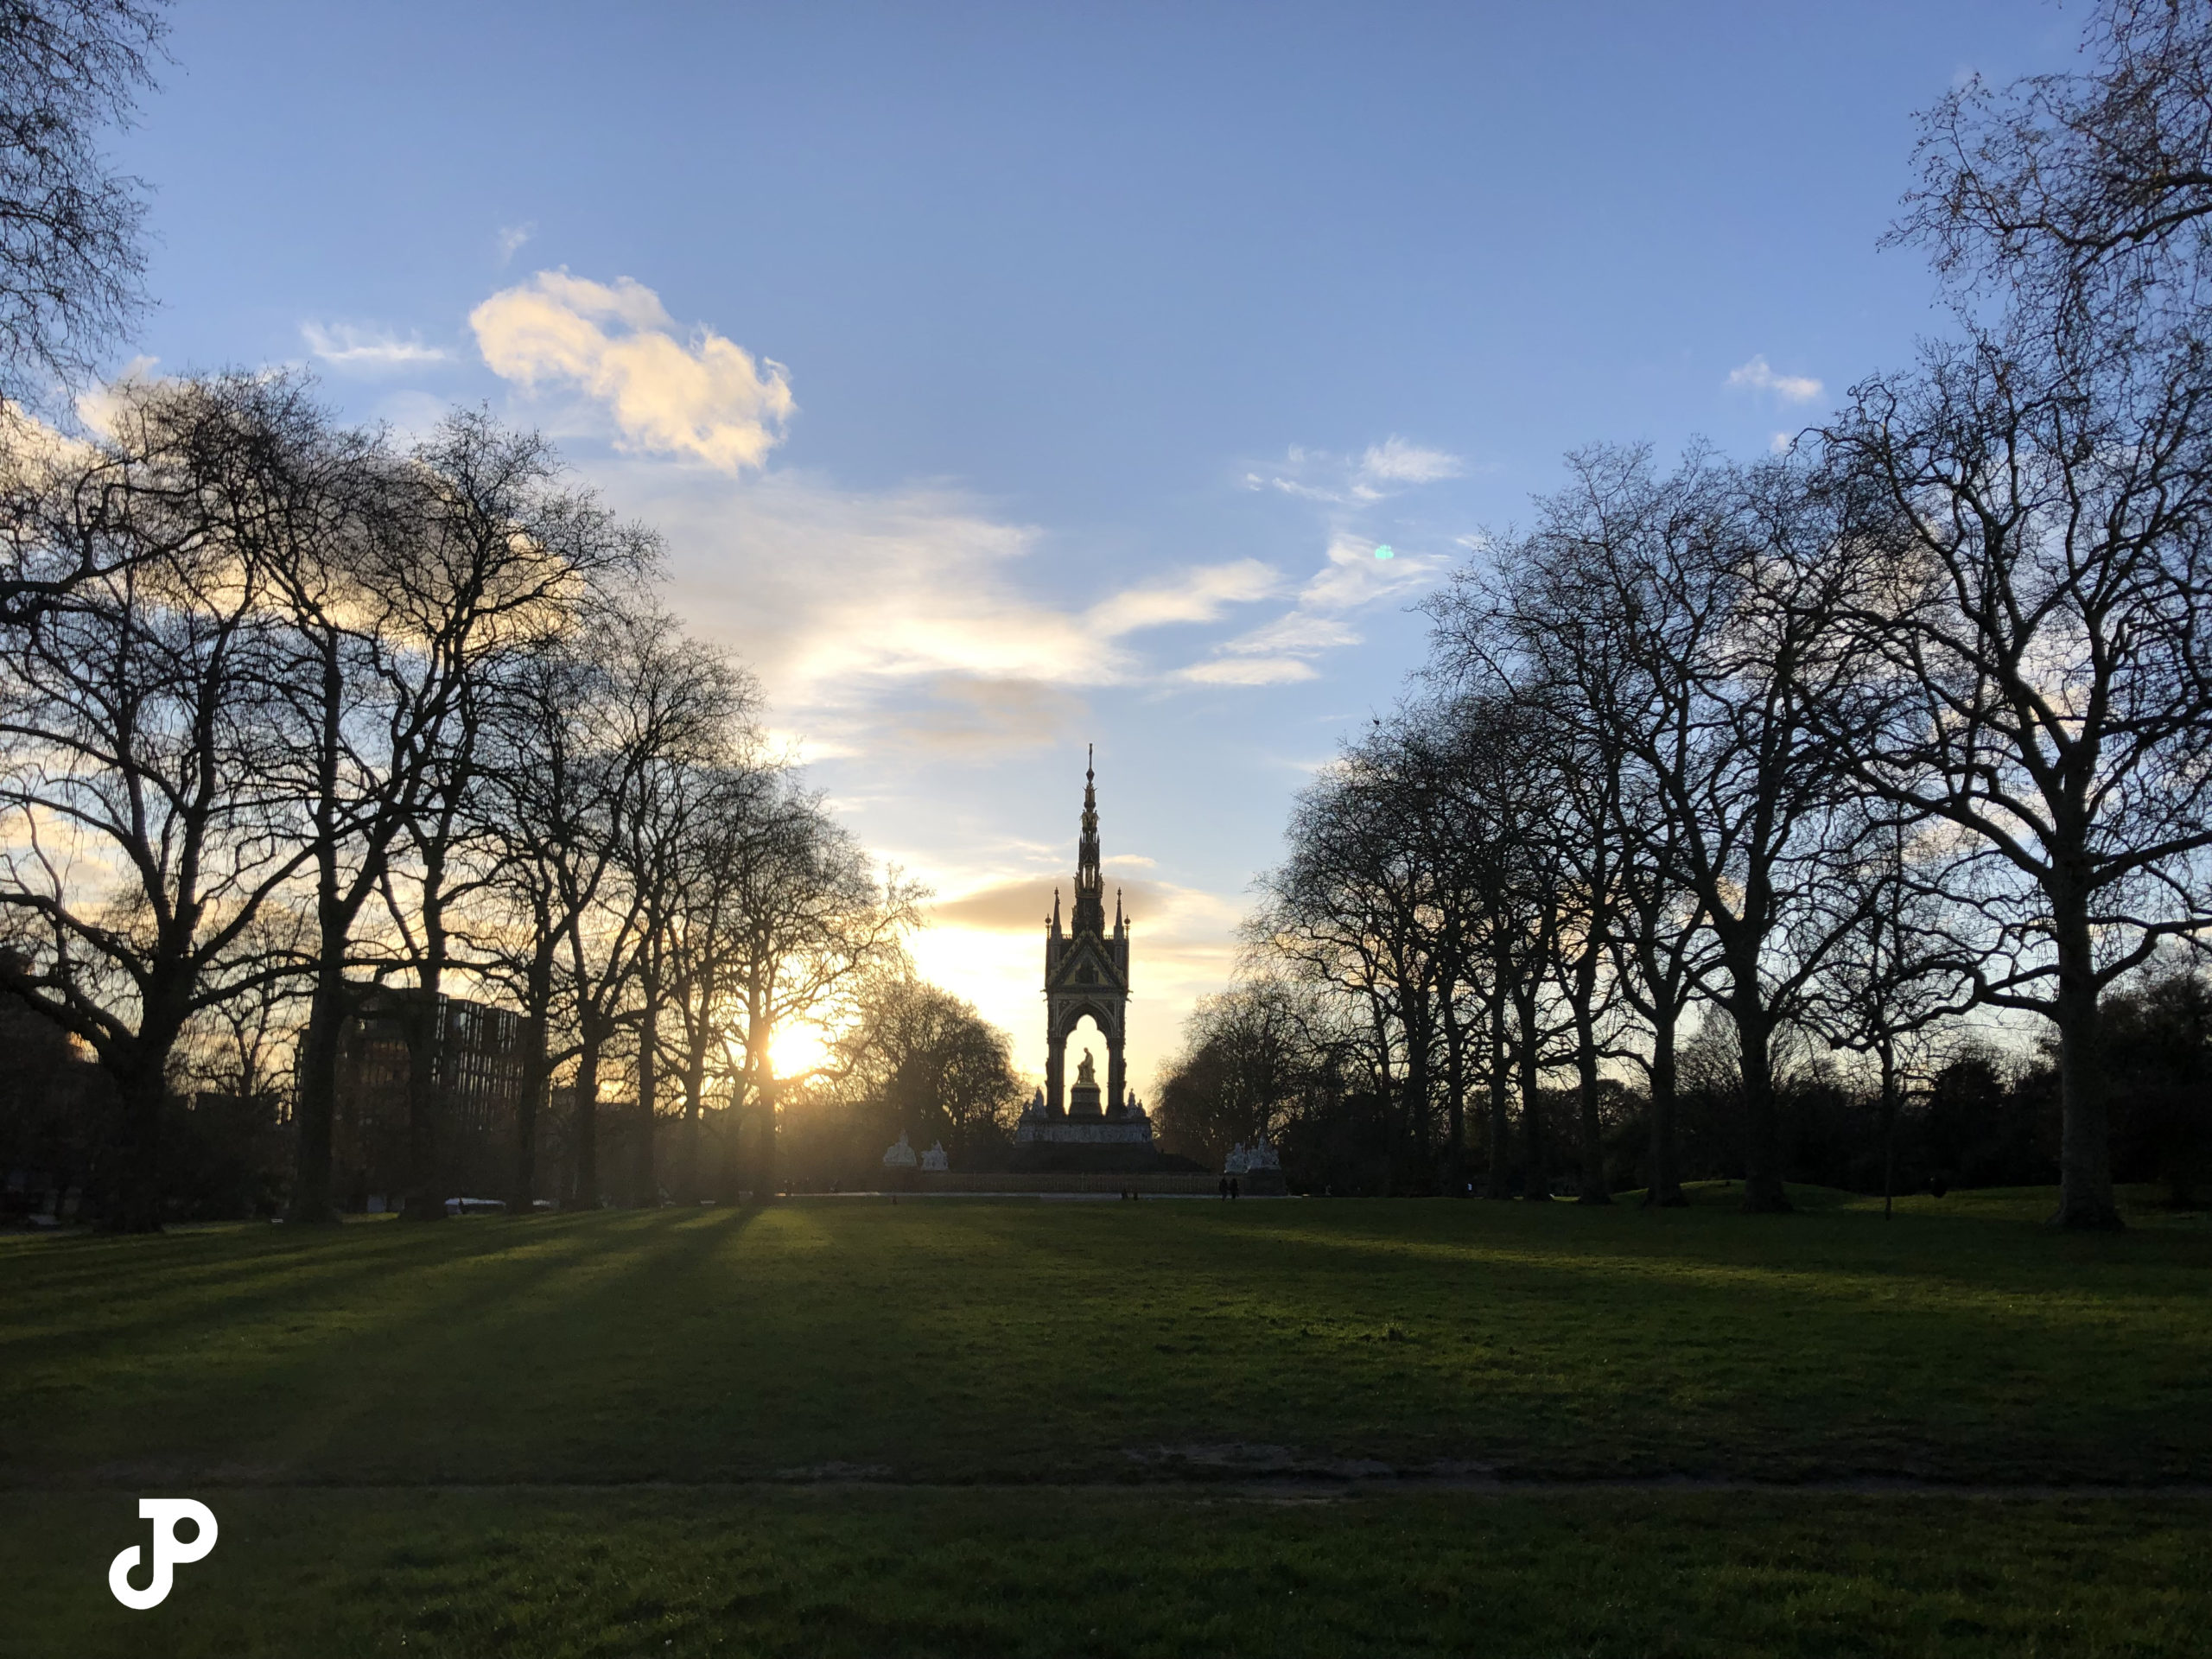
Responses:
[1232,1186]
[1225,1188]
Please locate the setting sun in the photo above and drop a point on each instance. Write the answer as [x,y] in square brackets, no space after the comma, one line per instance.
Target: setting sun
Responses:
[799,1049]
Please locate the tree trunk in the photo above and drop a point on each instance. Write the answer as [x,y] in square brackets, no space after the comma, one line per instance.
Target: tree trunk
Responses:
[1762,1189]
[327,1007]
[426,1039]
[764,1162]
[141,1090]
[730,1183]
[1535,1180]
[1665,1189]
[537,998]
[687,1175]
[1394,1122]
[315,1112]
[1455,1098]
[1497,1181]
[644,1183]
[420,1200]
[1887,1052]
[2085,1194]
[1413,1150]
[1592,1187]
[585,1135]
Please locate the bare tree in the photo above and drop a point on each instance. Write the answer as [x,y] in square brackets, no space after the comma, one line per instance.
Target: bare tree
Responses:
[917,1058]
[1897,973]
[1247,1055]
[603,726]
[682,790]
[1345,911]
[495,557]
[2044,626]
[70,262]
[1725,691]
[737,798]
[528,807]
[2084,199]
[142,816]
[807,924]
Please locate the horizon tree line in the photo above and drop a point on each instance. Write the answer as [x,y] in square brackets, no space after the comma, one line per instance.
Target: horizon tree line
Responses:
[1911,718]
[297,705]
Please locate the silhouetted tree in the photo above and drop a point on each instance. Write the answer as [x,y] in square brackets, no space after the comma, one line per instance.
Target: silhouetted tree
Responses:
[145,819]
[70,261]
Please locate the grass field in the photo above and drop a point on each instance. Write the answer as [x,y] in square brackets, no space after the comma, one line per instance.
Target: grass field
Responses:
[975,1427]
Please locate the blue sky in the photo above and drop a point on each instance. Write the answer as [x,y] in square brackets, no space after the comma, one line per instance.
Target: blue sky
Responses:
[1011,377]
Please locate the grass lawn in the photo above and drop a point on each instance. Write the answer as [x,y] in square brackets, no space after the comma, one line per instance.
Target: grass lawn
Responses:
[616,1387]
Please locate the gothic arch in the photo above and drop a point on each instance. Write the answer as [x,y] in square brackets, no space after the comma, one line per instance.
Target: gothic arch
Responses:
[1086,971]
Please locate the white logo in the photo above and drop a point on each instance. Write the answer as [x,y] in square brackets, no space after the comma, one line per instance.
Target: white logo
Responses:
[168,1553]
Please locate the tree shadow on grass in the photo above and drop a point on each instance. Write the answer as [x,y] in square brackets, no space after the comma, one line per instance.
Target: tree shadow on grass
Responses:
[278,1395]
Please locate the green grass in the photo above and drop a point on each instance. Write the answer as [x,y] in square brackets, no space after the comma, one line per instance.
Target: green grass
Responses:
[1009,1342]
[1087,1352]
[805,1572]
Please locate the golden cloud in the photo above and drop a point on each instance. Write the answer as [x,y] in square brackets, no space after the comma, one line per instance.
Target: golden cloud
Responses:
[705,396]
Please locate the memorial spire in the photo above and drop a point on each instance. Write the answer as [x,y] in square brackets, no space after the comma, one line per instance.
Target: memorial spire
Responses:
[1089,883]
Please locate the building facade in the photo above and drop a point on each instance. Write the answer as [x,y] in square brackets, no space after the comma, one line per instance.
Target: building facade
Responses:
[477,1067]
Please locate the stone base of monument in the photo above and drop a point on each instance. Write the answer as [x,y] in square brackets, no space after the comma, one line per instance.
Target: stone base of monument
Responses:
[1184,1182]
[1042,1157]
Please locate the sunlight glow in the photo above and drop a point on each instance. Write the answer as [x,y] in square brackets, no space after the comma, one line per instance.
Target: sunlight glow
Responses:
[799,1049]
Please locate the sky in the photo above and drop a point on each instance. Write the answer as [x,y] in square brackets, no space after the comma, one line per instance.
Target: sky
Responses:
[1007,378]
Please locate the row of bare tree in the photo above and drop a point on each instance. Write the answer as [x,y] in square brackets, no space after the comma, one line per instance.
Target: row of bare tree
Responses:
[282,704]
[1915,717]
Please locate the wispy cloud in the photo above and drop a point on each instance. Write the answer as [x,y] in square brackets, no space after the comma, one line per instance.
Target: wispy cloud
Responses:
[909,617]
[512,237]
[344,346]
[1250,670]
[1019,903]
[1758,375]
[1351,579]
[1199,595]
[1394,460]
[702,396]
[1381,471]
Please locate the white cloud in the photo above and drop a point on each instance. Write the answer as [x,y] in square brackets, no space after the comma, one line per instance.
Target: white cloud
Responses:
[906,617]
[344,346]
[1351,578]
[1397,462]
[1382,470]
[97,406]
[1299,631]
[512,237]
[1250,670]
[704,396]
[1196,596]
[1758,375]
